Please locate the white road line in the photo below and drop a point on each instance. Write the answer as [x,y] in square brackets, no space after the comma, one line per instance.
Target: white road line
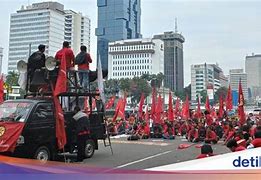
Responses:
[150,157]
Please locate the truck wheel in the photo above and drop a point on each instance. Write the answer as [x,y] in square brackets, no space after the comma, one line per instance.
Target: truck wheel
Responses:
[89,148]
[42,154]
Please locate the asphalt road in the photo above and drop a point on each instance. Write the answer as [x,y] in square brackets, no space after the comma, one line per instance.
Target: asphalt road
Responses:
[145,154]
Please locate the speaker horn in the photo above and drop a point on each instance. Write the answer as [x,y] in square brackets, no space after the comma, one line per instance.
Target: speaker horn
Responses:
[21,66]
[50,63]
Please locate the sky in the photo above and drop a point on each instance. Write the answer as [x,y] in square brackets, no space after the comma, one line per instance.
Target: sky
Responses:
[215,31]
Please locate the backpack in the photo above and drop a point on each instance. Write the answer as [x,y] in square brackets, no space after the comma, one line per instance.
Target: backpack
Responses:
[80,58]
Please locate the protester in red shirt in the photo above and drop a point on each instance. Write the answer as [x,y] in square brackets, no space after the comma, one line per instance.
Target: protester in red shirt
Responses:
[68,53]
[233,146]
[193,135]
[168,131]
[211,136]
[82,60]
[143,131]
[206,151]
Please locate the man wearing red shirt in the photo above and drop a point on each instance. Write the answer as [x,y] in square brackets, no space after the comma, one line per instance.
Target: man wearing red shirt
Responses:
[211,136]
[82,60]
[68,53]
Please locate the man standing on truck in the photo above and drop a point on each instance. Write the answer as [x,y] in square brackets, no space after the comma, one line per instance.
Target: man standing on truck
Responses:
[68,53]
[36,62]
[82,132]
[82,60]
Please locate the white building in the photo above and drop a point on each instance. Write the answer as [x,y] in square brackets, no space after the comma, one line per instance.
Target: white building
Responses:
[253,70]
[44,23]
[77,30]
[1,59]
[204,76]
[132,58]
[234,77]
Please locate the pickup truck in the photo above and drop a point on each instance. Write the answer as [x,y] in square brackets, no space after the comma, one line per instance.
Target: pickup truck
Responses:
[37,138]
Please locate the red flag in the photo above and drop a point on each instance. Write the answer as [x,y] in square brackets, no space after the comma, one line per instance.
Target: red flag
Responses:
[241,113]
[207,106]
[120,109]
[177,107]
[61,83]
[221,108]
[229,100]
[60,128]
[199,114]
[9,134]
[159,110]
[1,89]
[110,102]
[185,109]
[170,110]
[153,105]
[147,118]
[142,99]
[117,109]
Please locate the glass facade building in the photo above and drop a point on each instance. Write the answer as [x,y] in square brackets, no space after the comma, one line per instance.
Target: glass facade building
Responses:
[117,20]
[173,60]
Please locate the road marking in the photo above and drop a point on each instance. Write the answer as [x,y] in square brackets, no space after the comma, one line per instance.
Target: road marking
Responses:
[144,159]
[141,142]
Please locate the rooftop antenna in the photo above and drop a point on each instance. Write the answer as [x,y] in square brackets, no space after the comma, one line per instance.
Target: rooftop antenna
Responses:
[176,25]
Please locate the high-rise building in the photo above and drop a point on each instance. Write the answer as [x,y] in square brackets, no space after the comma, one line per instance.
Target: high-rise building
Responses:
[173,60]
[253,70]
[77,30]
[223,80]
[235,75]
[39,23]
[1,58]
[135,57]
[45,23]
[204,76]
[117,20]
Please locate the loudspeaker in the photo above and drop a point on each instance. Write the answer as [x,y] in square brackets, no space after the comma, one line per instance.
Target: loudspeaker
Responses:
[21,66]
[51,63]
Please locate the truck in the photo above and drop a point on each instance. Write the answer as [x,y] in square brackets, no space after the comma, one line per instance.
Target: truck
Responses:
[28,126]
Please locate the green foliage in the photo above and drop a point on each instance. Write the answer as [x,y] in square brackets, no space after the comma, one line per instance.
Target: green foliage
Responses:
[12,79]
[220,92]
[182,94]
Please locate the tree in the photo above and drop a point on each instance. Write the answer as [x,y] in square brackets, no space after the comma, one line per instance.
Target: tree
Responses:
[203,95]
[139,86]
[182,94]
[220,92]
[12,79]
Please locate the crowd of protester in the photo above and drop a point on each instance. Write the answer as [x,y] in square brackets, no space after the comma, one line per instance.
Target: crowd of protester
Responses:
[207,130]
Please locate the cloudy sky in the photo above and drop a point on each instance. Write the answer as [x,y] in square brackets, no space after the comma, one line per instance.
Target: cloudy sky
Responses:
[216,31]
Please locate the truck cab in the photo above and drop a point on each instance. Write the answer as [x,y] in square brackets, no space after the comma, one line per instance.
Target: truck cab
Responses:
[38,136]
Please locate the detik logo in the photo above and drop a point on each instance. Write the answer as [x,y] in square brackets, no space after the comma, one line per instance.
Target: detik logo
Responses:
[251,162]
